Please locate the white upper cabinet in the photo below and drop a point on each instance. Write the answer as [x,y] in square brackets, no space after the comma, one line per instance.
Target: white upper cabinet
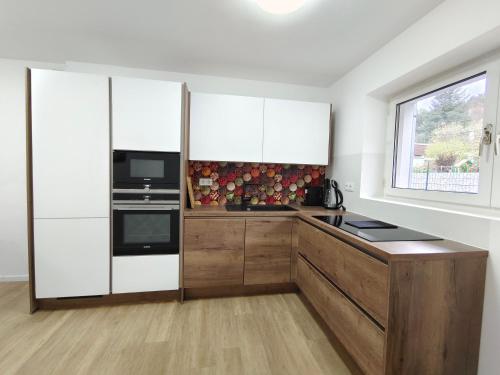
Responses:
[70,144]
[226,128]
[296,132]
[146,114]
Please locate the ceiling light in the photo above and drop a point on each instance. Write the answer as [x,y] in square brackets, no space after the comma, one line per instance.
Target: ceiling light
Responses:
[280,6]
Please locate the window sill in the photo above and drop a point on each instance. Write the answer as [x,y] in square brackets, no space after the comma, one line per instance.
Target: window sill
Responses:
[463,210]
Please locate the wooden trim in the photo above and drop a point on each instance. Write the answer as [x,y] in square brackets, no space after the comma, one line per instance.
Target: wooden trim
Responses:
[183,168]
[29,192]
[107,300]
[110,104]
[239,290]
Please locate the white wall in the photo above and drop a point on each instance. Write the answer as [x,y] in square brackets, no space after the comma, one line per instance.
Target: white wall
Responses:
[13,217]
[452,34]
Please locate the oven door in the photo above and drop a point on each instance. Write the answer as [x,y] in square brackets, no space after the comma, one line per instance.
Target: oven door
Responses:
[138,170]
[145,229]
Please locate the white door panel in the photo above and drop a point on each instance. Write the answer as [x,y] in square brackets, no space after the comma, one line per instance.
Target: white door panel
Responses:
[146,114]
[70,137]
[145,273]
[226,128]
[71,257]
[296,132]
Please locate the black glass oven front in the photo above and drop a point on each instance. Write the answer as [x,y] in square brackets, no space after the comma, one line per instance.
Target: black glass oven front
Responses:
[145,231]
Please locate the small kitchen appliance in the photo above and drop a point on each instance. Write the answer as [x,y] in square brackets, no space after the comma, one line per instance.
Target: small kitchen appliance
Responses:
[334,199]
[314,196]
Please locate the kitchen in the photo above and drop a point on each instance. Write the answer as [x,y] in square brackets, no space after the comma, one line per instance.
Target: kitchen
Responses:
[231,223]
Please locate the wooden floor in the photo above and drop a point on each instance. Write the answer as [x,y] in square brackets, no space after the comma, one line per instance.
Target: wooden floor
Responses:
[273,334]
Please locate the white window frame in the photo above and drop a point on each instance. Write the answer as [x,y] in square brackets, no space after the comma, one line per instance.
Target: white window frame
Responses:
[486,197]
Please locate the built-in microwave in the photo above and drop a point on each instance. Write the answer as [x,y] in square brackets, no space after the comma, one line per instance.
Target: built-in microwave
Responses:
[146,170]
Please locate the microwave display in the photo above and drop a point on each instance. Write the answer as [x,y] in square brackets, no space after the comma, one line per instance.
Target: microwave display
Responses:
[144,168]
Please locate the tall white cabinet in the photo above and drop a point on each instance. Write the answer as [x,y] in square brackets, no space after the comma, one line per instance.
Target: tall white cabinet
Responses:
[71,183]
[296,132]
[226,127]
[146,114]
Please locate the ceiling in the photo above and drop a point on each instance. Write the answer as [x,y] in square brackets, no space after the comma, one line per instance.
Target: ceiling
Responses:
[233,38]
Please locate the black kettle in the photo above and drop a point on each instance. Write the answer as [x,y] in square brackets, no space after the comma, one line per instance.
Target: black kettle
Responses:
[334,199]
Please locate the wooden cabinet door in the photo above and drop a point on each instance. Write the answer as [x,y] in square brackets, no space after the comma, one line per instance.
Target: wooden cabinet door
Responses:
[268,244]
[146,114]
[213,252]
[226,128]
[70,144]
[296,132]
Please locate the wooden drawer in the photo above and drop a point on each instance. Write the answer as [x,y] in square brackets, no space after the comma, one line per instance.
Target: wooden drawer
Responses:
[213,252]
[268,243]
[362,338]
[362,277]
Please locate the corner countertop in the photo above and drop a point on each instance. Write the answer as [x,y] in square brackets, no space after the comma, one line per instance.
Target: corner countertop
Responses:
[386,251]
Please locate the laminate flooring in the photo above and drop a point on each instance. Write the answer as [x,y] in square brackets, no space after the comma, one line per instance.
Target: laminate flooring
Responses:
[269,334]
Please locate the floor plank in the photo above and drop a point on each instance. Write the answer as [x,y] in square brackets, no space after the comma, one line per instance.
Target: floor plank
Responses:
[268,335]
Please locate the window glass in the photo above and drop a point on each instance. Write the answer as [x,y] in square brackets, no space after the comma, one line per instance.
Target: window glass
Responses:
[438,137]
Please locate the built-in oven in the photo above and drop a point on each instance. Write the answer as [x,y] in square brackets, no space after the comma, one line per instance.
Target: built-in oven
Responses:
[145,226]
[146,170]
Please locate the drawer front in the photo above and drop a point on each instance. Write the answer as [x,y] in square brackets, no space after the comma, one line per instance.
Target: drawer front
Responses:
[362,277]
[362,338]
[145,273]
[213,252]
[268,244]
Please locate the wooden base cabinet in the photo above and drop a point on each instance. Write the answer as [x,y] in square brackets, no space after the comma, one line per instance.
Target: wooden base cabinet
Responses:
[237,251]
[213,252]
[416,314]
[268,243]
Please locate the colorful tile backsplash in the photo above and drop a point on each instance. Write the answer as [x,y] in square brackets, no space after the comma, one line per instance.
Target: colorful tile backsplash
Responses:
[263,183]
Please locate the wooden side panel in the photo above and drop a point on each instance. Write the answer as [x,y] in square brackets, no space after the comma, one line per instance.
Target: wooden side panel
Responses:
[362,277]
[213,252]
[435,316]
[360,336]
[295,250]
[268,243]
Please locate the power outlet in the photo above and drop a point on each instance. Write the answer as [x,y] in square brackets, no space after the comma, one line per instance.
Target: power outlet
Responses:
[349,186]
[205,182]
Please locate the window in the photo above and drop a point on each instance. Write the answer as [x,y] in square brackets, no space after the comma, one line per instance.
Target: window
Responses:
[438,138]
[440,151]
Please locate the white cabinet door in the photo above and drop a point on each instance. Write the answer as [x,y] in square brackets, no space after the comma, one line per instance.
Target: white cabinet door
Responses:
[145,273]
[296,132]
[226,128]
[71,150]
[71,257]
[146,114]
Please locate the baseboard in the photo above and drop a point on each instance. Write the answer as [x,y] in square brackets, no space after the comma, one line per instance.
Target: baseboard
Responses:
[12,278]
[239,290]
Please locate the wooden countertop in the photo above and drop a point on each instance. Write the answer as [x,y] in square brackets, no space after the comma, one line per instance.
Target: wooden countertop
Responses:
[386,251]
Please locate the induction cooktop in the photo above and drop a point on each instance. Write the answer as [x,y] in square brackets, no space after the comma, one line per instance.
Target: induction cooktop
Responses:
[374,230]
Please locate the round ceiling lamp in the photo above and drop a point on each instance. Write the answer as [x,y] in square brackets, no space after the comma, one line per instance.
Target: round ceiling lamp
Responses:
[280,6]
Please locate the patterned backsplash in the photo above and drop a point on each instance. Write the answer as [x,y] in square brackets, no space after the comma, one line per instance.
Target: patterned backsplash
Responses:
[263,183]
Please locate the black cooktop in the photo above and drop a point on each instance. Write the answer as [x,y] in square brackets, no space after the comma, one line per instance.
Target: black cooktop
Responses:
[374,230]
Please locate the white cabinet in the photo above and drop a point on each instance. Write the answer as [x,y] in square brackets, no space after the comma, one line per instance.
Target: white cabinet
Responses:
[146,114]
[145,273]
[71,257]
[71,183]
[70,144]
[296,132]
[226,128]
